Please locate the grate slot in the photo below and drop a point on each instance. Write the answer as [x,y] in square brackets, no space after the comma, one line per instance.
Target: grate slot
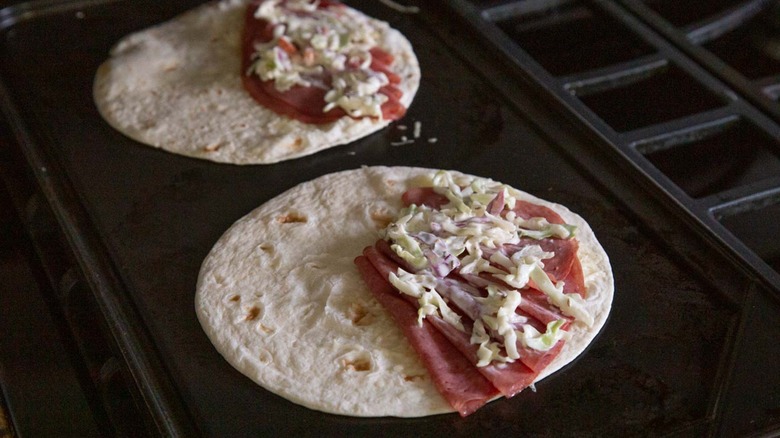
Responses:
[572,37]
[756,226]
[752,49]
[684,13]
[667,93]
[737,41]
[721,24]
[725,155]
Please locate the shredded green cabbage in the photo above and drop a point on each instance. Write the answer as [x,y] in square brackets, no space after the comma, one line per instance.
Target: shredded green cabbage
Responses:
[456,236]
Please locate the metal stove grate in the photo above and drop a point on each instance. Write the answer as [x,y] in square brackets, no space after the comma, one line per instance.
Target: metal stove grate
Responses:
[699,138]
[738,41]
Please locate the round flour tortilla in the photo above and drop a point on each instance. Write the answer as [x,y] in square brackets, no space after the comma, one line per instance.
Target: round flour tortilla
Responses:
[177,86]
[281,299]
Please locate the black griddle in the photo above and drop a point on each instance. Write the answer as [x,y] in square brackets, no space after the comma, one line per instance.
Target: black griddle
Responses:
[605,128]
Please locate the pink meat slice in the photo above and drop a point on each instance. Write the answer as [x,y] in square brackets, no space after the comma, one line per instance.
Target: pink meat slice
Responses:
[534,305]
[424,196]
[528,210]
[456,379]
[509,379]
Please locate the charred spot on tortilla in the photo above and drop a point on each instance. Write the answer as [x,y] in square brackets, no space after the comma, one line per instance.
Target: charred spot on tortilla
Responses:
[296,145]
[253,313]
[381,218]
[331,312]
[213,147]
[359,314]
[291,218]
[266,247]
[265,329]
[271,80]
[359,364]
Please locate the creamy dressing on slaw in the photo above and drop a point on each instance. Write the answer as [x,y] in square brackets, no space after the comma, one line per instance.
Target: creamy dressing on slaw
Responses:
[438,241]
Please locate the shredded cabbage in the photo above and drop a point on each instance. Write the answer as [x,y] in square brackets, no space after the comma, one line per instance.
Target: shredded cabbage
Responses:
[531,338]
[459,236]
[308,42]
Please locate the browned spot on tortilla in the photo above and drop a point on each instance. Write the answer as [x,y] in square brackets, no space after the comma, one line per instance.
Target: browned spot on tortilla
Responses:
[390,183]
[147,124]
[213,147]
[264,357]
[296,145]
[253,313]
[408,378]
[170,67]
[266,247]
[381,218]
[359,315]
[265,329]
[356,364]
[290,218]
[235,298]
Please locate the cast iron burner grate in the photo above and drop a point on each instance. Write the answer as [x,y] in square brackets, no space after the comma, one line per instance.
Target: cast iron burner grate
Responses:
[672,91]
[738,41]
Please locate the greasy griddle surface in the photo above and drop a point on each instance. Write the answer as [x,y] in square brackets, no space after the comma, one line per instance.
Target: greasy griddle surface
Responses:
[654,367]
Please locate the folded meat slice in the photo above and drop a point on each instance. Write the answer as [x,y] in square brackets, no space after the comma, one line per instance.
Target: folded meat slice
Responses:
[509,378]
[456,378]
[528,210]
[563,266]
[424,196]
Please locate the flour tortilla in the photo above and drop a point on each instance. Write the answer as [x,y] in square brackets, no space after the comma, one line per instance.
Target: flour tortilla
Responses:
[282,301]
[177,86]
